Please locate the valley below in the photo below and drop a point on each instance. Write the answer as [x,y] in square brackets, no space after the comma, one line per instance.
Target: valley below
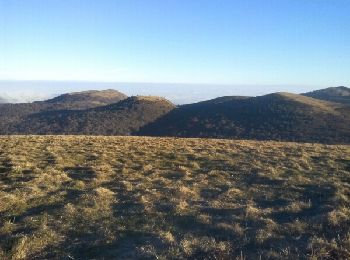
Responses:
[88,197]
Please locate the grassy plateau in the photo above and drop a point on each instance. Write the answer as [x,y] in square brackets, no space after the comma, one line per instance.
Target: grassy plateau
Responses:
[84,197]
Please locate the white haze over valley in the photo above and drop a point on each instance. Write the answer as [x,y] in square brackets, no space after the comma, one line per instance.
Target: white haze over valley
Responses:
[29,91]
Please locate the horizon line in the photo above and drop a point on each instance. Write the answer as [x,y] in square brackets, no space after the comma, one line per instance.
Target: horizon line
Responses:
[161,83]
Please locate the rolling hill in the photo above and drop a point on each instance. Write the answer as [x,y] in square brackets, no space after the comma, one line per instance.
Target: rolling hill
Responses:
[335,94]
[86,99]
[121,118]
[13,114]
[278,116]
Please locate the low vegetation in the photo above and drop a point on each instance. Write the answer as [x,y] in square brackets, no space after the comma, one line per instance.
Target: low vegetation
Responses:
[161,198]
[276,116]
[335,94]
[12,115]
[121,118]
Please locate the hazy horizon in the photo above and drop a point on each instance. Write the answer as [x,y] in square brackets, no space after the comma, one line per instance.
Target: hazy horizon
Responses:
[179,93]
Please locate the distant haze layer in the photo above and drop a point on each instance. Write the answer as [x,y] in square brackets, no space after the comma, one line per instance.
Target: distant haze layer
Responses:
[27,91]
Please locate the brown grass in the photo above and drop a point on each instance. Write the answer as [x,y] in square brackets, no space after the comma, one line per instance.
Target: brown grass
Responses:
[135,197]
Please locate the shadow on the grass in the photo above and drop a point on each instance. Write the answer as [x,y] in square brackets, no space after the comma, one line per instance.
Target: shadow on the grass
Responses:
[80,173]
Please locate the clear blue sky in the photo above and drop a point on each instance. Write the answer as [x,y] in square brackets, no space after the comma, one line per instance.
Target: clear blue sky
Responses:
[288,42]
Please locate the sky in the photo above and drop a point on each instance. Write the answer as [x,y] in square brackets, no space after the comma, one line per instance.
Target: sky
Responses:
[260,43]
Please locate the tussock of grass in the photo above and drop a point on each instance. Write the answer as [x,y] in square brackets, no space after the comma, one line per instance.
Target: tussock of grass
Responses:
[134,197]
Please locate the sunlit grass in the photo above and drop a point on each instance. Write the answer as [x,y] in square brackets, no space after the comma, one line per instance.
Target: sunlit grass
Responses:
[135,197]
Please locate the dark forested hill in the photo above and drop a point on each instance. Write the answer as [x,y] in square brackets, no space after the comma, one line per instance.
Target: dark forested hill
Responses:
[121,118]
[279,116]
[335,94]
[13,114]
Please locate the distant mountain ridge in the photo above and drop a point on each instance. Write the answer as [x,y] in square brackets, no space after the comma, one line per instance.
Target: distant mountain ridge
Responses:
[335,94]
[277,116]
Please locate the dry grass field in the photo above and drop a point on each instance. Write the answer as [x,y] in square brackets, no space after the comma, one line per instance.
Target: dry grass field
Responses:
[159,198]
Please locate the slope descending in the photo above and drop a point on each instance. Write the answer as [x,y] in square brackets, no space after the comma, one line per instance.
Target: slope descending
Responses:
[335,94]
[11,114]
[278,116]
[122,118]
